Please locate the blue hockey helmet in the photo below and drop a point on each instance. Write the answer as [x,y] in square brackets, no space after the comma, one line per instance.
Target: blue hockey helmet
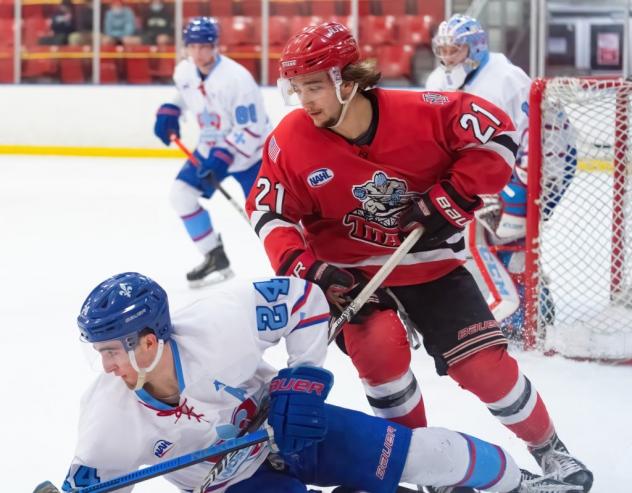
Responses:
[123,305]
[461,30]
[203,30]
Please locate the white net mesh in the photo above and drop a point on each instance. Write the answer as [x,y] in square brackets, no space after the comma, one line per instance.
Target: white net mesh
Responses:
[585,243]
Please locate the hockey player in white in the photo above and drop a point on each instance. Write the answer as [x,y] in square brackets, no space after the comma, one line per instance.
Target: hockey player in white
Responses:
[227,104]
[467,65]
[174,386]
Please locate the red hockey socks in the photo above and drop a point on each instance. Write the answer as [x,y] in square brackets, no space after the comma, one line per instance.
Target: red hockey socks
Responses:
[380,352]
[493,375]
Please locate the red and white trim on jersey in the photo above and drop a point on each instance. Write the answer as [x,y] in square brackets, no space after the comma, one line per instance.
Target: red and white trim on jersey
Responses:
[315,320]
[264,223]
[504,147]
[410,259]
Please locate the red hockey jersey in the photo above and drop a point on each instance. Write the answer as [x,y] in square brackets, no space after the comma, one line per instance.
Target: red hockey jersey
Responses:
[318,192]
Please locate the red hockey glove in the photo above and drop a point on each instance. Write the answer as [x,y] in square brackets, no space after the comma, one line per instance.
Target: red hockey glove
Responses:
[441,210]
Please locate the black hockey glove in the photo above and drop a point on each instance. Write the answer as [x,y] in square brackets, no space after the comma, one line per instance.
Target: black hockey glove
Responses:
[441,210]
[340,286]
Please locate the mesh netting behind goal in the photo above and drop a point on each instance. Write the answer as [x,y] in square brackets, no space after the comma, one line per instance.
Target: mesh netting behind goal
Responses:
[579,238]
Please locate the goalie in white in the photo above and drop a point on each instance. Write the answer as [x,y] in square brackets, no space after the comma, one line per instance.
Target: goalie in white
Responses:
[496,239]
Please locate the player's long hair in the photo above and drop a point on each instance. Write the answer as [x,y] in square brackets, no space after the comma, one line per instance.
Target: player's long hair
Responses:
[363,72]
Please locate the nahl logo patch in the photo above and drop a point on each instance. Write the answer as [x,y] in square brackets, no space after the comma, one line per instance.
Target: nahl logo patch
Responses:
[435,98]
[320,177]
[161,447]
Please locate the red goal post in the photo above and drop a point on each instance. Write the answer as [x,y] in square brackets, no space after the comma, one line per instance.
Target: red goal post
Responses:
[578,259]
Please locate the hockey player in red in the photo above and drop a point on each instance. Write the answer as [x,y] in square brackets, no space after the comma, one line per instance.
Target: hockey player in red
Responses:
[345,177]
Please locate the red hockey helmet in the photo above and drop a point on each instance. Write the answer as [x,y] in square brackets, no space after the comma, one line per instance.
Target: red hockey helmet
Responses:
[318,48]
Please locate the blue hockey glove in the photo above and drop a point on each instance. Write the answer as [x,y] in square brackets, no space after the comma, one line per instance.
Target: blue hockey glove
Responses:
[514,198]
[512,222]
[167,122]
[217,162]
[297,407]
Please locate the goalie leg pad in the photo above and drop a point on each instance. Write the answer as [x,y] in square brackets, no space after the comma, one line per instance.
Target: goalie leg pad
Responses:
[360,451]
[494,377]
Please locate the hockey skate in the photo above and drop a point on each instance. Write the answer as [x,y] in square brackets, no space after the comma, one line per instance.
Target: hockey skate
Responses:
[556,461]
[215,268]
[532,483]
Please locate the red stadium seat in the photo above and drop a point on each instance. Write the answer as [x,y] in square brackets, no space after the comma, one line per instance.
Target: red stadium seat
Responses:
[191,9]
[288,7]
[278,33]
[325,8]
[33,28]
[392,7]
[238,30]
[377,30]
[6,67]
[413,29]
[218,8]
[137,64]
[111,65]
[298,23]
[163,65]
[248,56]
[394,61]
[247,7]
[6,32]
[39,62]
[71,65]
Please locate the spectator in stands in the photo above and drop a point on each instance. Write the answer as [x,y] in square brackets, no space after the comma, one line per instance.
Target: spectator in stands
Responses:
[158,25]
[61,23]
[83,25]
[120,25]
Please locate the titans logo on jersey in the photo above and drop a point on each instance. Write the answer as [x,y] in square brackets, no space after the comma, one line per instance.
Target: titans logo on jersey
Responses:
[381,201]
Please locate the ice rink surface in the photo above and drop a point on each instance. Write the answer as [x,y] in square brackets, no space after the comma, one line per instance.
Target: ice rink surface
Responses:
[68,223]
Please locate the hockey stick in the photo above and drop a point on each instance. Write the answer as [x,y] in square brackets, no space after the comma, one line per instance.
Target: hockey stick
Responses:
[221,464]
[210,177]
[354,307]
[174,464]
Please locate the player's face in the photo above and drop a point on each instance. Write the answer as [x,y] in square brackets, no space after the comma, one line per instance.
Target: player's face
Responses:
[203,55]
[317,95]
[452,55]
[115,360]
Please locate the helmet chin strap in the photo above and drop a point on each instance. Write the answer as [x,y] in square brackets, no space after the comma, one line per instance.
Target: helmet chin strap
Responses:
[142,372]
[345,104]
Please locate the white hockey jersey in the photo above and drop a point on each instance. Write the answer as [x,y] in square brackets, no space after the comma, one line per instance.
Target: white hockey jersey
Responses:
[228,107]
[217,344]
[502,83]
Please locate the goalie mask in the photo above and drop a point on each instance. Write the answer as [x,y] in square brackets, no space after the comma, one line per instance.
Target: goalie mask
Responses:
[461,46]
[328,47]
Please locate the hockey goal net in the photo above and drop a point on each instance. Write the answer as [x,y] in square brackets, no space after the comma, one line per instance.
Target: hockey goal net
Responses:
[578,273]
